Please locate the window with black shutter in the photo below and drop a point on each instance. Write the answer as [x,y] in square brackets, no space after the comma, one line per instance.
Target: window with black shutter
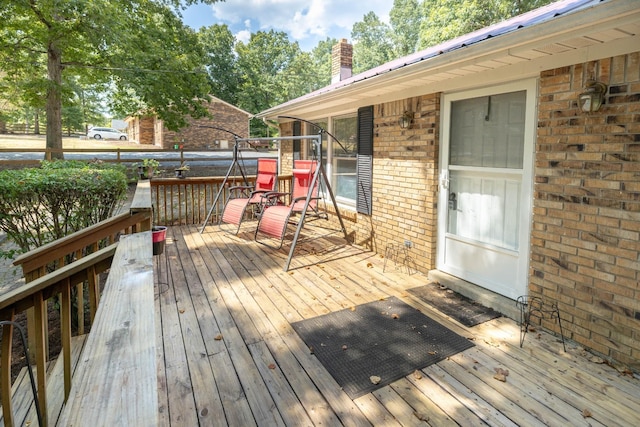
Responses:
[365,159]
[297,131]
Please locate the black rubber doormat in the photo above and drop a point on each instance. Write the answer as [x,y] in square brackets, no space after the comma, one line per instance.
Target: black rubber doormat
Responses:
[387,339]
[451,303]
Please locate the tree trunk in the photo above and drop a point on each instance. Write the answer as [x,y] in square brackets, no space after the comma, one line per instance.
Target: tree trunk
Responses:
[54,101]
[36,122]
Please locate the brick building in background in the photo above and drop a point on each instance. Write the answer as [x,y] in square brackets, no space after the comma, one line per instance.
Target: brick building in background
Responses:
[198,134]
[483,154]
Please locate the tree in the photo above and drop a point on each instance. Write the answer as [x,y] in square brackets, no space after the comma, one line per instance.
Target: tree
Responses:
[273,70]
[405,18]
[371,45]
[447,19]
[221,62]
[140,47]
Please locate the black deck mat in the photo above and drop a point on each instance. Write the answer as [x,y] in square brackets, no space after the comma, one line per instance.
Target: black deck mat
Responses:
[451,303]
[388,339]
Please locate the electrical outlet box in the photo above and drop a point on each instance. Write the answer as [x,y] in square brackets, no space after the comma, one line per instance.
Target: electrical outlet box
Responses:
[408,244]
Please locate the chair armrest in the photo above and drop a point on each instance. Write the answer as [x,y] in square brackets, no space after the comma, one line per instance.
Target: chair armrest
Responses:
[272,197]
[297,199]
[240,187]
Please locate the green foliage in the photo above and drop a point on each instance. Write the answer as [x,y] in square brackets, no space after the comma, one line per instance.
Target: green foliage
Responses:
[372,45]
[150,163]
[221,62]
[447,19]
[139,48]
[405,18]
[40,205]
[418,24]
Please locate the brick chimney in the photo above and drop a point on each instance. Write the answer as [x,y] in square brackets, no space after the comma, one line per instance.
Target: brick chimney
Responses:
[341,61]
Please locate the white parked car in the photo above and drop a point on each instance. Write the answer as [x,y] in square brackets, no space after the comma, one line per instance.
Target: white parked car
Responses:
[106,133]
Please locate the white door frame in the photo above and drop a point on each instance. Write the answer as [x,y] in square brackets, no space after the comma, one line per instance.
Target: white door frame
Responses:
[520,276]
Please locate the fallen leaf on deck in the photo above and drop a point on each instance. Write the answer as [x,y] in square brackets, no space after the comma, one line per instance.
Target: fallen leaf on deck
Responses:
[369,265]
[218,337]
[501,374]
[586,413]
[272,366]
[352,309]
[500,377]
[374,379]
[432,352]
[417,374]
[395,316]
[291,273]
[181,310]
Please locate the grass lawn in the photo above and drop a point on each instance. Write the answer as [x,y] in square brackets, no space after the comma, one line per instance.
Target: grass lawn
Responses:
[38,141]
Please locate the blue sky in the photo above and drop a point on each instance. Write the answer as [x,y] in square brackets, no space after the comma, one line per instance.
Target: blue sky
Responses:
[306,22]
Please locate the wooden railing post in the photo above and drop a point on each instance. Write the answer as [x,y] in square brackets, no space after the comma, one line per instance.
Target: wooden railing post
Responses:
[5,369]
[65,331]
[40,311]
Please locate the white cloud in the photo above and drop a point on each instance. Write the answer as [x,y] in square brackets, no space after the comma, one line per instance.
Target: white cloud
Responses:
[244,36]
[306,22]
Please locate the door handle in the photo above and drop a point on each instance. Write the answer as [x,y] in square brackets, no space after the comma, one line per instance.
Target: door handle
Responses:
[453,202]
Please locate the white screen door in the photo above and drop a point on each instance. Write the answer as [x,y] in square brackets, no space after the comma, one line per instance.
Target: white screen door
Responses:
[485,186]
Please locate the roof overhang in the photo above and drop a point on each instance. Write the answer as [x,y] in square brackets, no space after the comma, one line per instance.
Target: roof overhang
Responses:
[596,30]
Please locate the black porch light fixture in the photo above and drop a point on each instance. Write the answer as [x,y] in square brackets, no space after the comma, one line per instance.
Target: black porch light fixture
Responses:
[593,96]
[406,120]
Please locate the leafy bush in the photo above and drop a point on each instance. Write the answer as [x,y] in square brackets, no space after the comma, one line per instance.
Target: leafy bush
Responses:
[40,205]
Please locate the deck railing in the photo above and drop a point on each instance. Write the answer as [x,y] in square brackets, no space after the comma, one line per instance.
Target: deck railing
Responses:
[77,260]
[187,201]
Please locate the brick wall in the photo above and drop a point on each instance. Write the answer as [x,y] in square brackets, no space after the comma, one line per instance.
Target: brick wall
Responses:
[141,129]
[405,177]
[586,223]
[405,182]
[194,136]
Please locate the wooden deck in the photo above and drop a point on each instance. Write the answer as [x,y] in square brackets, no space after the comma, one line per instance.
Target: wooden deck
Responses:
[229,355]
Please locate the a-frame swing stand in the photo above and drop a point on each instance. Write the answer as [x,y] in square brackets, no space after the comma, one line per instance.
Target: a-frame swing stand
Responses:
[232,166]
[319,173]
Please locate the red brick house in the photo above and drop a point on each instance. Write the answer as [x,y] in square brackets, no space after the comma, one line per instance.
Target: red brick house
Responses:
[198,134]
[486,154]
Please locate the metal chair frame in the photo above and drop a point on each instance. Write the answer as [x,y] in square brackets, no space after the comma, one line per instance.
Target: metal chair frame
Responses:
[535,307]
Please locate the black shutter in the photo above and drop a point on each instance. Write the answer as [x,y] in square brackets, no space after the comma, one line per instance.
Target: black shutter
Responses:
[297,131]
[365,159]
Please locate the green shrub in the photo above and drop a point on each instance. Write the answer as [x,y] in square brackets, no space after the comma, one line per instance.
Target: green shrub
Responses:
[40,205]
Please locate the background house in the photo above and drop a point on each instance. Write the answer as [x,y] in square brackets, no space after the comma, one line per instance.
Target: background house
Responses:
[478,155]
[198,134]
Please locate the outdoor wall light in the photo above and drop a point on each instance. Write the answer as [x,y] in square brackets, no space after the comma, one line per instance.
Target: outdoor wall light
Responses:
[593,96]
[406,120]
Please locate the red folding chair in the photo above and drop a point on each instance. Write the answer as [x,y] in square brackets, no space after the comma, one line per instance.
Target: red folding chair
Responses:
[276,214]
[242,197]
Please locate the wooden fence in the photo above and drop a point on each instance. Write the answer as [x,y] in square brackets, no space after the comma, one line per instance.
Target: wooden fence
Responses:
[187,201]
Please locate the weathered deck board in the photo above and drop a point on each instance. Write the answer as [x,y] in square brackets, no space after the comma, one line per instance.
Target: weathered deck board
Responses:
[230,304]
[117,368]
